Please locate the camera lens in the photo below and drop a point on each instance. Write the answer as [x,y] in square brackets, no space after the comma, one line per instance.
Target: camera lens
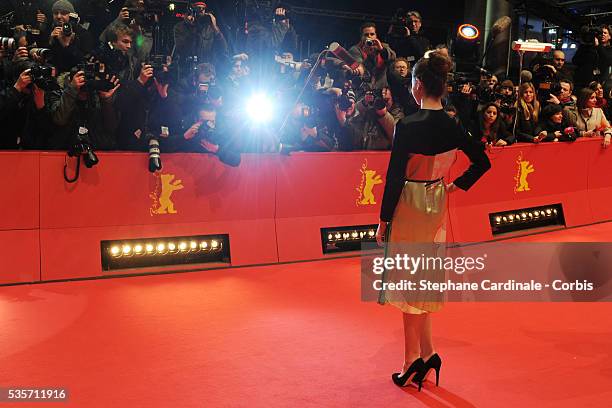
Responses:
[154,157]
[90,158]
[8,43]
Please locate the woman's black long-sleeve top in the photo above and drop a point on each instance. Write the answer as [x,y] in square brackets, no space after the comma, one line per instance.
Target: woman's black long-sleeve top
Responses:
[429,132]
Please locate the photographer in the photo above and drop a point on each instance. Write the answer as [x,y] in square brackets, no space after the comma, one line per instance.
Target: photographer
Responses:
[372,126]
[562,95]
[587,57]
[206,135]
[506,101]
[69,41]
[373,55]
[86,103]
[24,112]
[306,131]
[30,19]
[198,35]
[604,50]
[405,36]
[116,53]
[146,111]
[134,15]
[400,83]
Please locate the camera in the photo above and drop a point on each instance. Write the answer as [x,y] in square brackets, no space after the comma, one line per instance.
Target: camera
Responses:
[94,71]
[346,100]
[308,118]
[374,98]
[369,43]
[506,103]
[42,76]
[44,53]
[157,62]
[154,154]
[66,28]
[83,147]
[8,43]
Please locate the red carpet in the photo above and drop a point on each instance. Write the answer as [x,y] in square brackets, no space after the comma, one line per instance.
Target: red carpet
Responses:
[293,336]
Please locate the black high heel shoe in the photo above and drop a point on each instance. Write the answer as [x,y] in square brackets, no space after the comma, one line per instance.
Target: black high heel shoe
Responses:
[417,366]
[433,362]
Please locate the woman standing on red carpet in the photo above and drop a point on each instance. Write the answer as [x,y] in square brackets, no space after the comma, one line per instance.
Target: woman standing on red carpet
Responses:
[415,202]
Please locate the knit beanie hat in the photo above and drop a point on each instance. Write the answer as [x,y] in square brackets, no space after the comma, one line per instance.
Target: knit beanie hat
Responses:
[62,5]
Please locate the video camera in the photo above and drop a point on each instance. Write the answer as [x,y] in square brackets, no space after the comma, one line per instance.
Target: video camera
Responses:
[545,81]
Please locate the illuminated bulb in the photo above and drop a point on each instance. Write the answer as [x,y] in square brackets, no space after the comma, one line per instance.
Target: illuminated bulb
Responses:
[138,249]
[548,212]
[338,236]
[511,217]
[203,245]
[171,7]
[126,249]
[150,248]
[193,245]
[115,251]
[371,233]
[505,219]
[362,234]
[555,211]
[330,237]
[183,246]
[498,219]
[524,215]
[161,247]
[355,234]
[214,244]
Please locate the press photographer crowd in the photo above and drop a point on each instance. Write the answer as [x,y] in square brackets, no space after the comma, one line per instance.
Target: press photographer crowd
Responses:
[161,80]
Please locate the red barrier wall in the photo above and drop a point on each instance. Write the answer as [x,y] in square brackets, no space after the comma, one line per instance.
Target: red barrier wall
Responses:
[273,207]
[325,190]
[120,199]
[557,175]
[19,204]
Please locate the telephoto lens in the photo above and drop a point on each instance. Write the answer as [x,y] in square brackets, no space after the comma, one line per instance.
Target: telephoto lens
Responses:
[154,157]
[40,52]
[8,43]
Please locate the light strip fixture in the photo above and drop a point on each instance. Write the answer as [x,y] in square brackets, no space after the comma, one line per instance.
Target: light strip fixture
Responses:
[152,252]
[349,238]
[526,218]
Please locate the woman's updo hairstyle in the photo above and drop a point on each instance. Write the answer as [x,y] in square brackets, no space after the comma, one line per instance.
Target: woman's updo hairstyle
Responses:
[433,71]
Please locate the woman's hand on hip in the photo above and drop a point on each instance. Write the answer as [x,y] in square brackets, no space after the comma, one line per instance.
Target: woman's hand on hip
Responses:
[381,233]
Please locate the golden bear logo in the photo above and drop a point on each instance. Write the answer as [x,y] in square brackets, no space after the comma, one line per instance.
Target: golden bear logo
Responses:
[166,185]
[369,179]
[524,169]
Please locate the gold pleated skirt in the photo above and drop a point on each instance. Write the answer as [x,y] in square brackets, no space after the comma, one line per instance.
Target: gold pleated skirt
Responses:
[420,218]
